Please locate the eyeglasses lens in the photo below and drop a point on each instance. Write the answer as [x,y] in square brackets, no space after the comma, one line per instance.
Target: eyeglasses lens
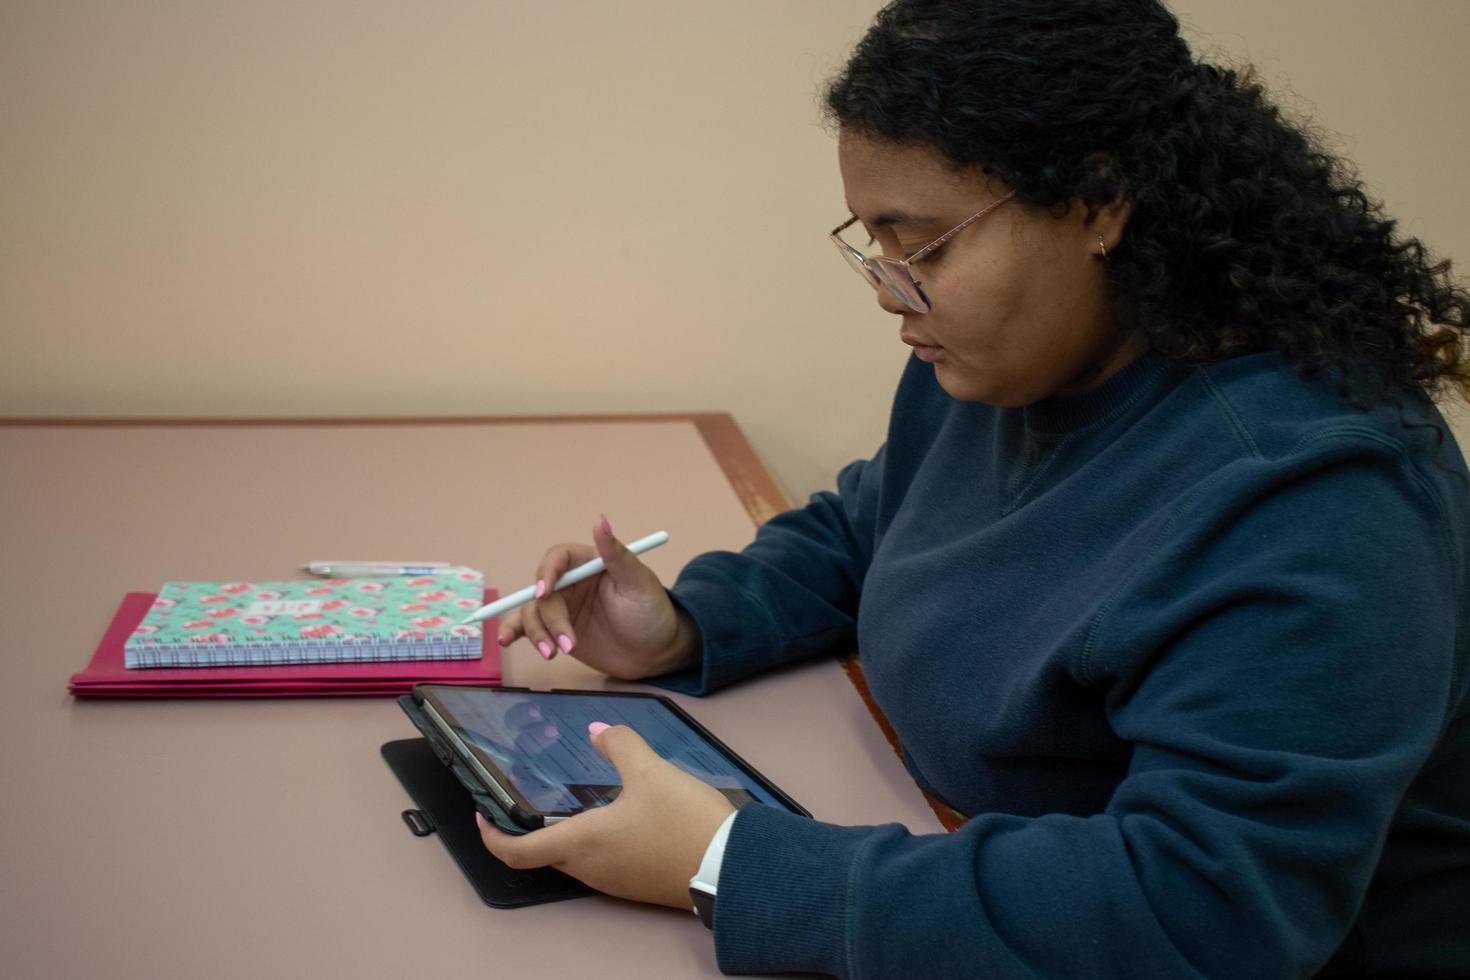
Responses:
[885,273]
[900,282]
[856,262]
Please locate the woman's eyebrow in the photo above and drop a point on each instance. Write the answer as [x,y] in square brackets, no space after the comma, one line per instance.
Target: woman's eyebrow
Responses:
[886,218]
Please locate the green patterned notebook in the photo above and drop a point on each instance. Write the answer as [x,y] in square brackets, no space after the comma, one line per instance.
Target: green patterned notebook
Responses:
[233,624]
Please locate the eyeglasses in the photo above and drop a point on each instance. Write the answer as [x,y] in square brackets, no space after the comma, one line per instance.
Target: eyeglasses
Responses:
[897,275]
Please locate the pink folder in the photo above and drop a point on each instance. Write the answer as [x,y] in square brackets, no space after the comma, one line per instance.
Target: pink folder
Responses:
[106,676]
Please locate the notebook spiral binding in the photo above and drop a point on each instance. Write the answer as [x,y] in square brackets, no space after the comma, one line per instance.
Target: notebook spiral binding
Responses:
[278,652]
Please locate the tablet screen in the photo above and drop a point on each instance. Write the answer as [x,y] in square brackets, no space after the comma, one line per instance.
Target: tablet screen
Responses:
[539,742]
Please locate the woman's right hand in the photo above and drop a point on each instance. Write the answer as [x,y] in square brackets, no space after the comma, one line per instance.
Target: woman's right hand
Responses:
[620,622]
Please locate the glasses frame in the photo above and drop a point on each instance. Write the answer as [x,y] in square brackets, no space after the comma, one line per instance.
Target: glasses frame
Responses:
[897,275]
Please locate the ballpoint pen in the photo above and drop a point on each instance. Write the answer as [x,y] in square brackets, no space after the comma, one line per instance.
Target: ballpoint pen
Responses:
[352,569]
[573,576]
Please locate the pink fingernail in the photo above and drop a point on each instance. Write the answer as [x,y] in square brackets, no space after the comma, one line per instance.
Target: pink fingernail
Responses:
[565,642]
[606,527]
[545,649]
[540,588]
[597,728]
[550,731]
[479,818]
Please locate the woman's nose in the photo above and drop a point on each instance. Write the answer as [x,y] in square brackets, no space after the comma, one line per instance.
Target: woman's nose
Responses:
[891,303]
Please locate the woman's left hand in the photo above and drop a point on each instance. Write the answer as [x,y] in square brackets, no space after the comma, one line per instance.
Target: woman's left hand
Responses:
[645,845]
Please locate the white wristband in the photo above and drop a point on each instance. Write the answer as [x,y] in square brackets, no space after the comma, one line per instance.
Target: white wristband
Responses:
[708,875]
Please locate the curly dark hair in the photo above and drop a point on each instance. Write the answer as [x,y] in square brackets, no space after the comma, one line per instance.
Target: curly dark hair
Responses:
[1245,235]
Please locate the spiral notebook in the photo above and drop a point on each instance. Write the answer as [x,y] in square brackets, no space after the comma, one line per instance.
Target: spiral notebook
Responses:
[106,677]
[309,621]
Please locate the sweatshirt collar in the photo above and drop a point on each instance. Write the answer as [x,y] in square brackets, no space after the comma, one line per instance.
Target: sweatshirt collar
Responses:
[1102,404]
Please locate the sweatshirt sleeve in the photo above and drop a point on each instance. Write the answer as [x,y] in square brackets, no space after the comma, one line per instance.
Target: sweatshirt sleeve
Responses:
[791,594]
[1282,667]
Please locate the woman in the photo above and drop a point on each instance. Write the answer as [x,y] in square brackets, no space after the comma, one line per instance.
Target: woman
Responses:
[1160,574]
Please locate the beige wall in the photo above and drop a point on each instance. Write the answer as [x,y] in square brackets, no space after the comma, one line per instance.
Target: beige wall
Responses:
[527,206]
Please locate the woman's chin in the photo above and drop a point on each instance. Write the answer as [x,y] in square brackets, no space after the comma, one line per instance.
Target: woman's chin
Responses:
[966,386]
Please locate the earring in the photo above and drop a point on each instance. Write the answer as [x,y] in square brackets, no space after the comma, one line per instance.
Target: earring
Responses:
[1102,246]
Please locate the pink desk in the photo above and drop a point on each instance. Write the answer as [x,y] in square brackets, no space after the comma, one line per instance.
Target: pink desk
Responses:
[262,838]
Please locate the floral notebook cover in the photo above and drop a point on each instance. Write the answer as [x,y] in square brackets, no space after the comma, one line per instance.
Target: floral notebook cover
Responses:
[389,617]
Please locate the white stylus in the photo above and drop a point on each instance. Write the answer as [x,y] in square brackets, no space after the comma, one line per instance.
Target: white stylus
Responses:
[572,577]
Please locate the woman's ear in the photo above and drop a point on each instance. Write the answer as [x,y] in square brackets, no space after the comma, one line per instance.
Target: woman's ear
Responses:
[1107,223]
[1102,182]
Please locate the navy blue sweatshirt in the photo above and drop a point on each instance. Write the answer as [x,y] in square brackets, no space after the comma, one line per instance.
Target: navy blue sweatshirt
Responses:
[1190,652]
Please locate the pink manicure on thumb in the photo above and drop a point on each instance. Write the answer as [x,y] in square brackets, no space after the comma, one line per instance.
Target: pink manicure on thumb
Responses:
[606,527]
[597,728]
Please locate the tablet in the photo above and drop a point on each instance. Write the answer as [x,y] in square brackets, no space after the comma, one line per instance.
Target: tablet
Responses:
[528,756]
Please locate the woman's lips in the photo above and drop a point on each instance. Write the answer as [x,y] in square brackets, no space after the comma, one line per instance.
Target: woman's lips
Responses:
[928,353]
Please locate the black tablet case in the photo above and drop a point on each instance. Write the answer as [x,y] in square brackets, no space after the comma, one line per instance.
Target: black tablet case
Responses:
[448,795]
[445,807]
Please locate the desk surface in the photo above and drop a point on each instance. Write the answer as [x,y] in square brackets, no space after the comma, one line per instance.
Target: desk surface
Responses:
[262,838]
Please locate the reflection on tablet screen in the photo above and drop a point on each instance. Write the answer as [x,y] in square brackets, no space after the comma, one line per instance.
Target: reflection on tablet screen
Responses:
[540,742]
